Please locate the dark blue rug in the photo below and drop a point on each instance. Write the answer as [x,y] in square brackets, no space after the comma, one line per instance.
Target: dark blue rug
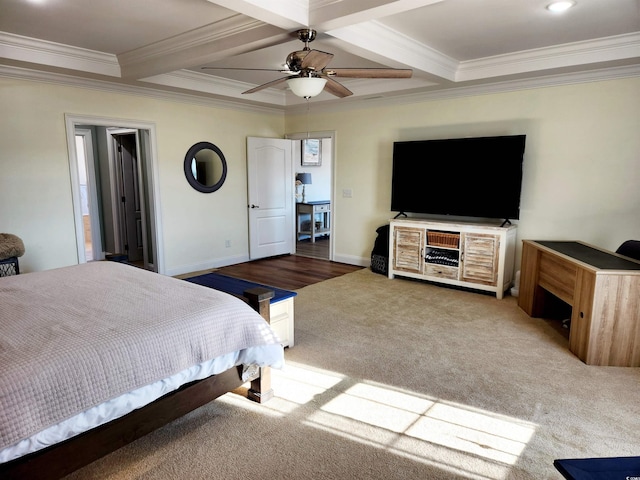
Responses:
[236,286]
[613,468]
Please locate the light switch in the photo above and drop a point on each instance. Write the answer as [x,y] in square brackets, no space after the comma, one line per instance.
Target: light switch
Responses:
[347,193]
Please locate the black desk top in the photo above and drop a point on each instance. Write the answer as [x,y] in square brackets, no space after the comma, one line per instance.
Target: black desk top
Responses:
[589,255]
[317,202]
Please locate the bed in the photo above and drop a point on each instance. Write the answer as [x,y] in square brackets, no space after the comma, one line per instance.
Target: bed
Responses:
[96,355]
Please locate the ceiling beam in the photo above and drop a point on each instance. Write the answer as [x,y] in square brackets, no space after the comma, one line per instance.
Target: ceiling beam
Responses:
[232,36]
[379,43]
[286,14]
[333,15]
[263,23]
[356,27]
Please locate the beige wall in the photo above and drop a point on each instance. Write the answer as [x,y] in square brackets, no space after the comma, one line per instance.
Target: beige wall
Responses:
[581,168]
[35,188]
[582,165]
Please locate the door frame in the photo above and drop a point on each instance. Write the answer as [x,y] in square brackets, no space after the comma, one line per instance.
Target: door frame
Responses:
[94,213]
[146,134]
[332,187]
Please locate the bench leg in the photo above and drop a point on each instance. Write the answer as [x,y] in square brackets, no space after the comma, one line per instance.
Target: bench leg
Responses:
[260,299]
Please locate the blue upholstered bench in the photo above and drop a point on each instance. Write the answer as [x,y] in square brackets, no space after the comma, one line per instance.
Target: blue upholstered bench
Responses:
[612,468]
[281,305]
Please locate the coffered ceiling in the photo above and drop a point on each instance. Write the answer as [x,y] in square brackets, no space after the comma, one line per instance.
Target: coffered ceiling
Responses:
[451,45]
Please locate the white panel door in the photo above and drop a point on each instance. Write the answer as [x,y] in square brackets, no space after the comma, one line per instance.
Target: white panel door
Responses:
[270,202]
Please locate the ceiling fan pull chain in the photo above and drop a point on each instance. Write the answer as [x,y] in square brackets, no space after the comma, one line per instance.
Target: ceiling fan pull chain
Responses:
[307,99]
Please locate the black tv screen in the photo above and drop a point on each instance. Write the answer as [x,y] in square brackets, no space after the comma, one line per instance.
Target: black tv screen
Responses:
[467,177]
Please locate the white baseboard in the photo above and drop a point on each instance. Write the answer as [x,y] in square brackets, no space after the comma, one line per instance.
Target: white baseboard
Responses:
[352,260]
[216,263]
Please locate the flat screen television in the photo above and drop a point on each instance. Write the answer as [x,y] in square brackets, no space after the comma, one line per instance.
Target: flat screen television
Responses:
[466,177]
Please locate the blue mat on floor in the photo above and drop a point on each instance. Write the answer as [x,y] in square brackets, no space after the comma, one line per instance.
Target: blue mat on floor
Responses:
[236,286]
[613,468]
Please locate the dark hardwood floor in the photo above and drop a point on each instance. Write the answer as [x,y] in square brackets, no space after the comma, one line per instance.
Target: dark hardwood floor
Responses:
[290,272]
[317,249]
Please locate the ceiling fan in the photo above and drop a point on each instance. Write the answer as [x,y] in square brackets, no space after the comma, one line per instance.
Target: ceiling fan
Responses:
[307,75]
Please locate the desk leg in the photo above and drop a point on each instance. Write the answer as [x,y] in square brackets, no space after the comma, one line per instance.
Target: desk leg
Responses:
[581,315]
[531,296]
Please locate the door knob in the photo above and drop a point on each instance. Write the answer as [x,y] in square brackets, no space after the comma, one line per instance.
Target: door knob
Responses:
[255,206]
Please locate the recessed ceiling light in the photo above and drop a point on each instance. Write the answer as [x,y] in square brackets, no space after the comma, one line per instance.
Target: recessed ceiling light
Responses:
[562,6]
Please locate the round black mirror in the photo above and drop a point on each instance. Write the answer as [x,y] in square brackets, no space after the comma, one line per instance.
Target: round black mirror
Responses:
[205,167]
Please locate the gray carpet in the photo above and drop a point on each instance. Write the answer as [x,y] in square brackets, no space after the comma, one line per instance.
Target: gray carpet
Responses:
[396,379]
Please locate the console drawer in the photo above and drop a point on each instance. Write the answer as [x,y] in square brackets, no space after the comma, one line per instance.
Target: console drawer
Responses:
[557,276]
[441,271]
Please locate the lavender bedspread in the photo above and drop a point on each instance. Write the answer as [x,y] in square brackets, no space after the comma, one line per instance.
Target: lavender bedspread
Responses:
[74,337]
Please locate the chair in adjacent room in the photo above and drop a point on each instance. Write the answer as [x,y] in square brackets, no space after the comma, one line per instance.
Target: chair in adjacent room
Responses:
[630,248]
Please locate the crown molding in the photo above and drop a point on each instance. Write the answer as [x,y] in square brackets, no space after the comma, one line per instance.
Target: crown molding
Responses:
[205,83]
[606,49]
[144,91]
[26,49]
[89,62]
[272,101]
[335,106]
[559,80]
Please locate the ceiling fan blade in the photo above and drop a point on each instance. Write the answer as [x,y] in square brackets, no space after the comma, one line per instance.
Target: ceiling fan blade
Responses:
[316,60]
[337,89]
[267,85]
[369,72]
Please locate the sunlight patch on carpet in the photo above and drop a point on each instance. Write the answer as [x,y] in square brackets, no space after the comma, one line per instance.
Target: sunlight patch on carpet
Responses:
[377,406]
[481,433]
[301,385]
[453,437]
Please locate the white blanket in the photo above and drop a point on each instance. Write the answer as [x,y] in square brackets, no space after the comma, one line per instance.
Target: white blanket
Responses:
[75,337]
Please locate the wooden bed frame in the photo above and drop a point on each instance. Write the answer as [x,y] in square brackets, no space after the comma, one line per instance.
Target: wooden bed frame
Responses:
[61,459]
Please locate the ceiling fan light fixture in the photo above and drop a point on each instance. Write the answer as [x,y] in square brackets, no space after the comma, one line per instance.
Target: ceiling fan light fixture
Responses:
[307,87]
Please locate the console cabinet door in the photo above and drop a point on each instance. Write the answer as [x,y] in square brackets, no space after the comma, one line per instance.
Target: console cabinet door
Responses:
[408,246]
[480,258]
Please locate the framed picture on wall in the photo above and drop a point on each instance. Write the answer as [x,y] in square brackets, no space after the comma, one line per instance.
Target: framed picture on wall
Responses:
[311,152]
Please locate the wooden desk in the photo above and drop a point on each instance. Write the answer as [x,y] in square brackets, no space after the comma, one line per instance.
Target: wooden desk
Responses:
[322,208]
[603,289]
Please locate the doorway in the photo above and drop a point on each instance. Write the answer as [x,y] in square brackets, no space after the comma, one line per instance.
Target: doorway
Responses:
[315,207]
[114,190]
